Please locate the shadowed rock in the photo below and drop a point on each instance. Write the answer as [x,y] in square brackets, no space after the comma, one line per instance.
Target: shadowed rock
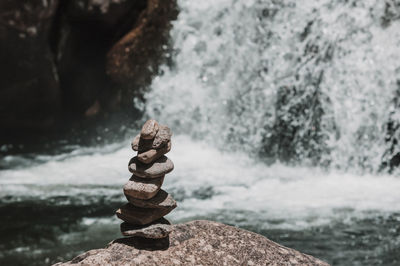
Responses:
[156,230]
[140,216]
[153,154]
[141,145]
[162,200]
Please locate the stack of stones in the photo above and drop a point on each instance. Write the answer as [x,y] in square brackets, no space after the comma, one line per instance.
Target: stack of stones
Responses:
[148,203]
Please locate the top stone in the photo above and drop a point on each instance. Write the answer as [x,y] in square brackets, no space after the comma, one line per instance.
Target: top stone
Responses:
[160,140]
[149,129]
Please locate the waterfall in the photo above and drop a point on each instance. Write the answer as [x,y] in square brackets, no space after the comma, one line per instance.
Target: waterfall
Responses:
[304,82]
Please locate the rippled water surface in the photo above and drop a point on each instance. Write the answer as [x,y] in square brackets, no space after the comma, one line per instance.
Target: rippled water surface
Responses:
[55,210]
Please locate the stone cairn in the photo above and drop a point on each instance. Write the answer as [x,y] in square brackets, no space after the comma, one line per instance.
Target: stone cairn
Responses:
[148,203]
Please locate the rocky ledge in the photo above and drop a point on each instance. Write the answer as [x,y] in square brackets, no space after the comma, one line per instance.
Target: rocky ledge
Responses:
[196,243]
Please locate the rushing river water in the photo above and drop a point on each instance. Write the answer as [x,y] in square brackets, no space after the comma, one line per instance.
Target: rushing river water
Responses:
[253,84]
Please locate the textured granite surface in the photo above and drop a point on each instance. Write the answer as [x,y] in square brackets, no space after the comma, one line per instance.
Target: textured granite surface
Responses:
[197,243]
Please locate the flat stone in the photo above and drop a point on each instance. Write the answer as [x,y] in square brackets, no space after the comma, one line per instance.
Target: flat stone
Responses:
[149,129]
[162,200]
[156,230]
[153,154]
[162,137]
[139,216]
[160,167]
[143,188]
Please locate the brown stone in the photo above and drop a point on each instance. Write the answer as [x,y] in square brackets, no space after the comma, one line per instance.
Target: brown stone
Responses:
[197,243]
[162,137]
[156,230]
[139,216]
[161,200]
[160,167]
[143,188]
[149,129]
[135,58]
[141,145]
[153,154]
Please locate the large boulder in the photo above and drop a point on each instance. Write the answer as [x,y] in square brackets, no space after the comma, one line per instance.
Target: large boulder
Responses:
[196,243]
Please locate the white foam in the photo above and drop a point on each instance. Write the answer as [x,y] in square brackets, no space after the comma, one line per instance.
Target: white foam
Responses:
[241,188]
[232,56]
[296,195]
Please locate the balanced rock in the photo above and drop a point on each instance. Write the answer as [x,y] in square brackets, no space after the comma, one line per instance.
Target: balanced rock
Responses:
[153,154]
[147,202]
[158,229]
[140,216]
[162,137]
[158,168]
[149,129]
[162,200]
[143,188]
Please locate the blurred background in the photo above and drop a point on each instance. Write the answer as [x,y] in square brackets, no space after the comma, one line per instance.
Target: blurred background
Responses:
[285,117]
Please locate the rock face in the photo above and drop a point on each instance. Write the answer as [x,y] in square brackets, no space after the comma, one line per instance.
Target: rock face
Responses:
[29,89]
[54,58]
[134,59]
[196,243]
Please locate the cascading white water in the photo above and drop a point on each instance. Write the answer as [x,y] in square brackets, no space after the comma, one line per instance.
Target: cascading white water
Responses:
[233,57]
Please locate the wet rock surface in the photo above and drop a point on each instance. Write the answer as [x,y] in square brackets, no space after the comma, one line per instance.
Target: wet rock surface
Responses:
[197,243]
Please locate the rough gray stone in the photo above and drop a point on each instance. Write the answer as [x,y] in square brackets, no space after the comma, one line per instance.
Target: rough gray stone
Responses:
[140,216]
[160,167]
[163,136]
[161,139]
[153,154]
[143,188]
[162,200]
[197,243]
[156,230]
[149,129]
